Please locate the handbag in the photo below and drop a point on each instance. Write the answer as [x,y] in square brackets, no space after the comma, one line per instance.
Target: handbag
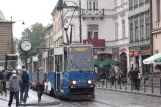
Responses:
[47,87]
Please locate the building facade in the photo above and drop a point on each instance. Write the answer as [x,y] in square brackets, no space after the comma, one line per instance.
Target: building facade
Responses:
[5,39]
[139,28]
[156,26]
[98,26]
[120,49]
[104,24]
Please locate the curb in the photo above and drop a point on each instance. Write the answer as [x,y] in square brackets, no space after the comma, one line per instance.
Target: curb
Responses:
[42,104]
[146,94]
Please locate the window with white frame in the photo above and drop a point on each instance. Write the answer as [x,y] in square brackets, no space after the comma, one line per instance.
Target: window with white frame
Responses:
[116,30]
[141,27]
[130,4]
[131,31]
[123,29]
[92,4]
[157,10]
[93,30]
[136,31]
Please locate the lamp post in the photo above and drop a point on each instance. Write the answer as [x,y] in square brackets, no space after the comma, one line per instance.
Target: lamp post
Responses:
[61,6]
[12,47]
[12,32]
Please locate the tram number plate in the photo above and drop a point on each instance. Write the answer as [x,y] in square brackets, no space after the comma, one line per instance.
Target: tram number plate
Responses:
[81,80]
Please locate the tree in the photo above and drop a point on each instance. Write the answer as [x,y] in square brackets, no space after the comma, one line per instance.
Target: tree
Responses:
[35,34]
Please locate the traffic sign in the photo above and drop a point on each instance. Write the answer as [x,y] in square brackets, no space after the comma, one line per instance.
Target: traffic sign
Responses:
[41,77]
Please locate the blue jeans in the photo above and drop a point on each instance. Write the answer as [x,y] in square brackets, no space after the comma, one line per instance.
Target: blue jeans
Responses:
[24,92]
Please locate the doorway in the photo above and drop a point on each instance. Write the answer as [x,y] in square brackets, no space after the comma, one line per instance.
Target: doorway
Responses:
[123,63]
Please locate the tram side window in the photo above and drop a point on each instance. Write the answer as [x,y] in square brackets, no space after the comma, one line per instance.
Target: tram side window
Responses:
[61,63]
[59,60]
[66,63]
[56,62]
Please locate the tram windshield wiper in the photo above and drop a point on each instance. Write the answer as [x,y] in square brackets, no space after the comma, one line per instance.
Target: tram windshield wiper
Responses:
[75,65]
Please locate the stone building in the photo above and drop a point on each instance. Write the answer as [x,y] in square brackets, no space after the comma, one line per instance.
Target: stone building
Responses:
[156,26]
[5,39]
[139,32]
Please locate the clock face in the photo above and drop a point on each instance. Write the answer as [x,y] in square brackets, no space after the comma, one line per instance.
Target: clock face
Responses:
[25,45]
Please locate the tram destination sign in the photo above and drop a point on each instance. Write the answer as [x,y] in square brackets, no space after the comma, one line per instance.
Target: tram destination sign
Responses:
[79,49]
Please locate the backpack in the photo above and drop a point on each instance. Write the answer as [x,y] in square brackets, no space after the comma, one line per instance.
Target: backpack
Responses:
[25,76]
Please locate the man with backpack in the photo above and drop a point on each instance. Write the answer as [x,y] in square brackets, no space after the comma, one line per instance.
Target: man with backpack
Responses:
[25,85]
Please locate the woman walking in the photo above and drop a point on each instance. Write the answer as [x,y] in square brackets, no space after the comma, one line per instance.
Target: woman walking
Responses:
[14,86]
[41,86]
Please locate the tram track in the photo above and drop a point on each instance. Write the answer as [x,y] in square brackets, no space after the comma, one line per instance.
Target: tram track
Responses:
[84,103]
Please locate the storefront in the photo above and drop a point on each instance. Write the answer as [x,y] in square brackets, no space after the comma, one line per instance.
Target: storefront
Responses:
[124,60]
[145,53]
[137,56]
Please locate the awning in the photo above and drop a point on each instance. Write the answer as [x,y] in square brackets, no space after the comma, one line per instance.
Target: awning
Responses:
[151,60]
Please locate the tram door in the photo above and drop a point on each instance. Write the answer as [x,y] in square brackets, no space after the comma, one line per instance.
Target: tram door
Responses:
[59,70]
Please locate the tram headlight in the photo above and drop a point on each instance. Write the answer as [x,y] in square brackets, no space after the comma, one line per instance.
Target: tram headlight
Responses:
[73,82]
[90,81]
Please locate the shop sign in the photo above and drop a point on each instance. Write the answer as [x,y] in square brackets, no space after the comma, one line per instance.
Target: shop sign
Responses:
[136,52]
[131,53]
[122,49]
[145,51]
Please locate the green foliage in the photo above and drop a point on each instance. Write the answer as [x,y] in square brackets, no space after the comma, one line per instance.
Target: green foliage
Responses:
[35,34]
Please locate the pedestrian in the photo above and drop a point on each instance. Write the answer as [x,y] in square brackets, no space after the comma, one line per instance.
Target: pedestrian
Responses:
[119,75]
[25,85]
[41,86]
[130,75]
[112,75]
[4,82]
[14,86]
[136,78]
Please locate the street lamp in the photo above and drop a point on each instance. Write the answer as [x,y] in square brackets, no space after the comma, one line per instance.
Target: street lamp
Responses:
[23,23]
[12,51]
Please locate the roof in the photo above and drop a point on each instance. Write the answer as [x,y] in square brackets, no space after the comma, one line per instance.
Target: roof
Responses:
[2,17]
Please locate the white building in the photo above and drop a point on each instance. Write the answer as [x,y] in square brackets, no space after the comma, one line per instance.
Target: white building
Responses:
[121,50]
[104,24]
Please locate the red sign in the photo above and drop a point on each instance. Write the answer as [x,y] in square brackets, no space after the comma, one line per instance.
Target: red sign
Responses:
[122,49]
[145,51]
[95,42]
[136,52]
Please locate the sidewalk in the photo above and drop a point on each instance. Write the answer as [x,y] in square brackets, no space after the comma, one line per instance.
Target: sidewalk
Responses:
[127,89]
[32,100]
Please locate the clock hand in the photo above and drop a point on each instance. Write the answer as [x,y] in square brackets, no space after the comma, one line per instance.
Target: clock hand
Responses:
[25,46]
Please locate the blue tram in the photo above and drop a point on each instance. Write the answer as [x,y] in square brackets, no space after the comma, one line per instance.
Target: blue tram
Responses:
[73,72]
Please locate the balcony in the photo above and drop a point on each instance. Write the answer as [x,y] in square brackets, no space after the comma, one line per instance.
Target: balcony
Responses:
[92,14]
[97,43]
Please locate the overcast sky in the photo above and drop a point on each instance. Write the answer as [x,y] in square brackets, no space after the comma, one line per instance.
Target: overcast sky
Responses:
[31,11]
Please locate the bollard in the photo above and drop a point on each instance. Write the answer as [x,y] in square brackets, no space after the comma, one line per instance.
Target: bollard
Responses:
[110,83]
[131,85]
[115,84]
[144,85]
[120,84]
[152,84]
[125,86]
[106,82]
[99,82]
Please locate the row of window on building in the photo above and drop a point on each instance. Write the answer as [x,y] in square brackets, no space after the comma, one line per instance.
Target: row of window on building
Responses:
[136,3]
[139,27]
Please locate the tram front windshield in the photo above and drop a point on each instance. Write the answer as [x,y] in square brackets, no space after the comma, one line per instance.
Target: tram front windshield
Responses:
[80,58]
